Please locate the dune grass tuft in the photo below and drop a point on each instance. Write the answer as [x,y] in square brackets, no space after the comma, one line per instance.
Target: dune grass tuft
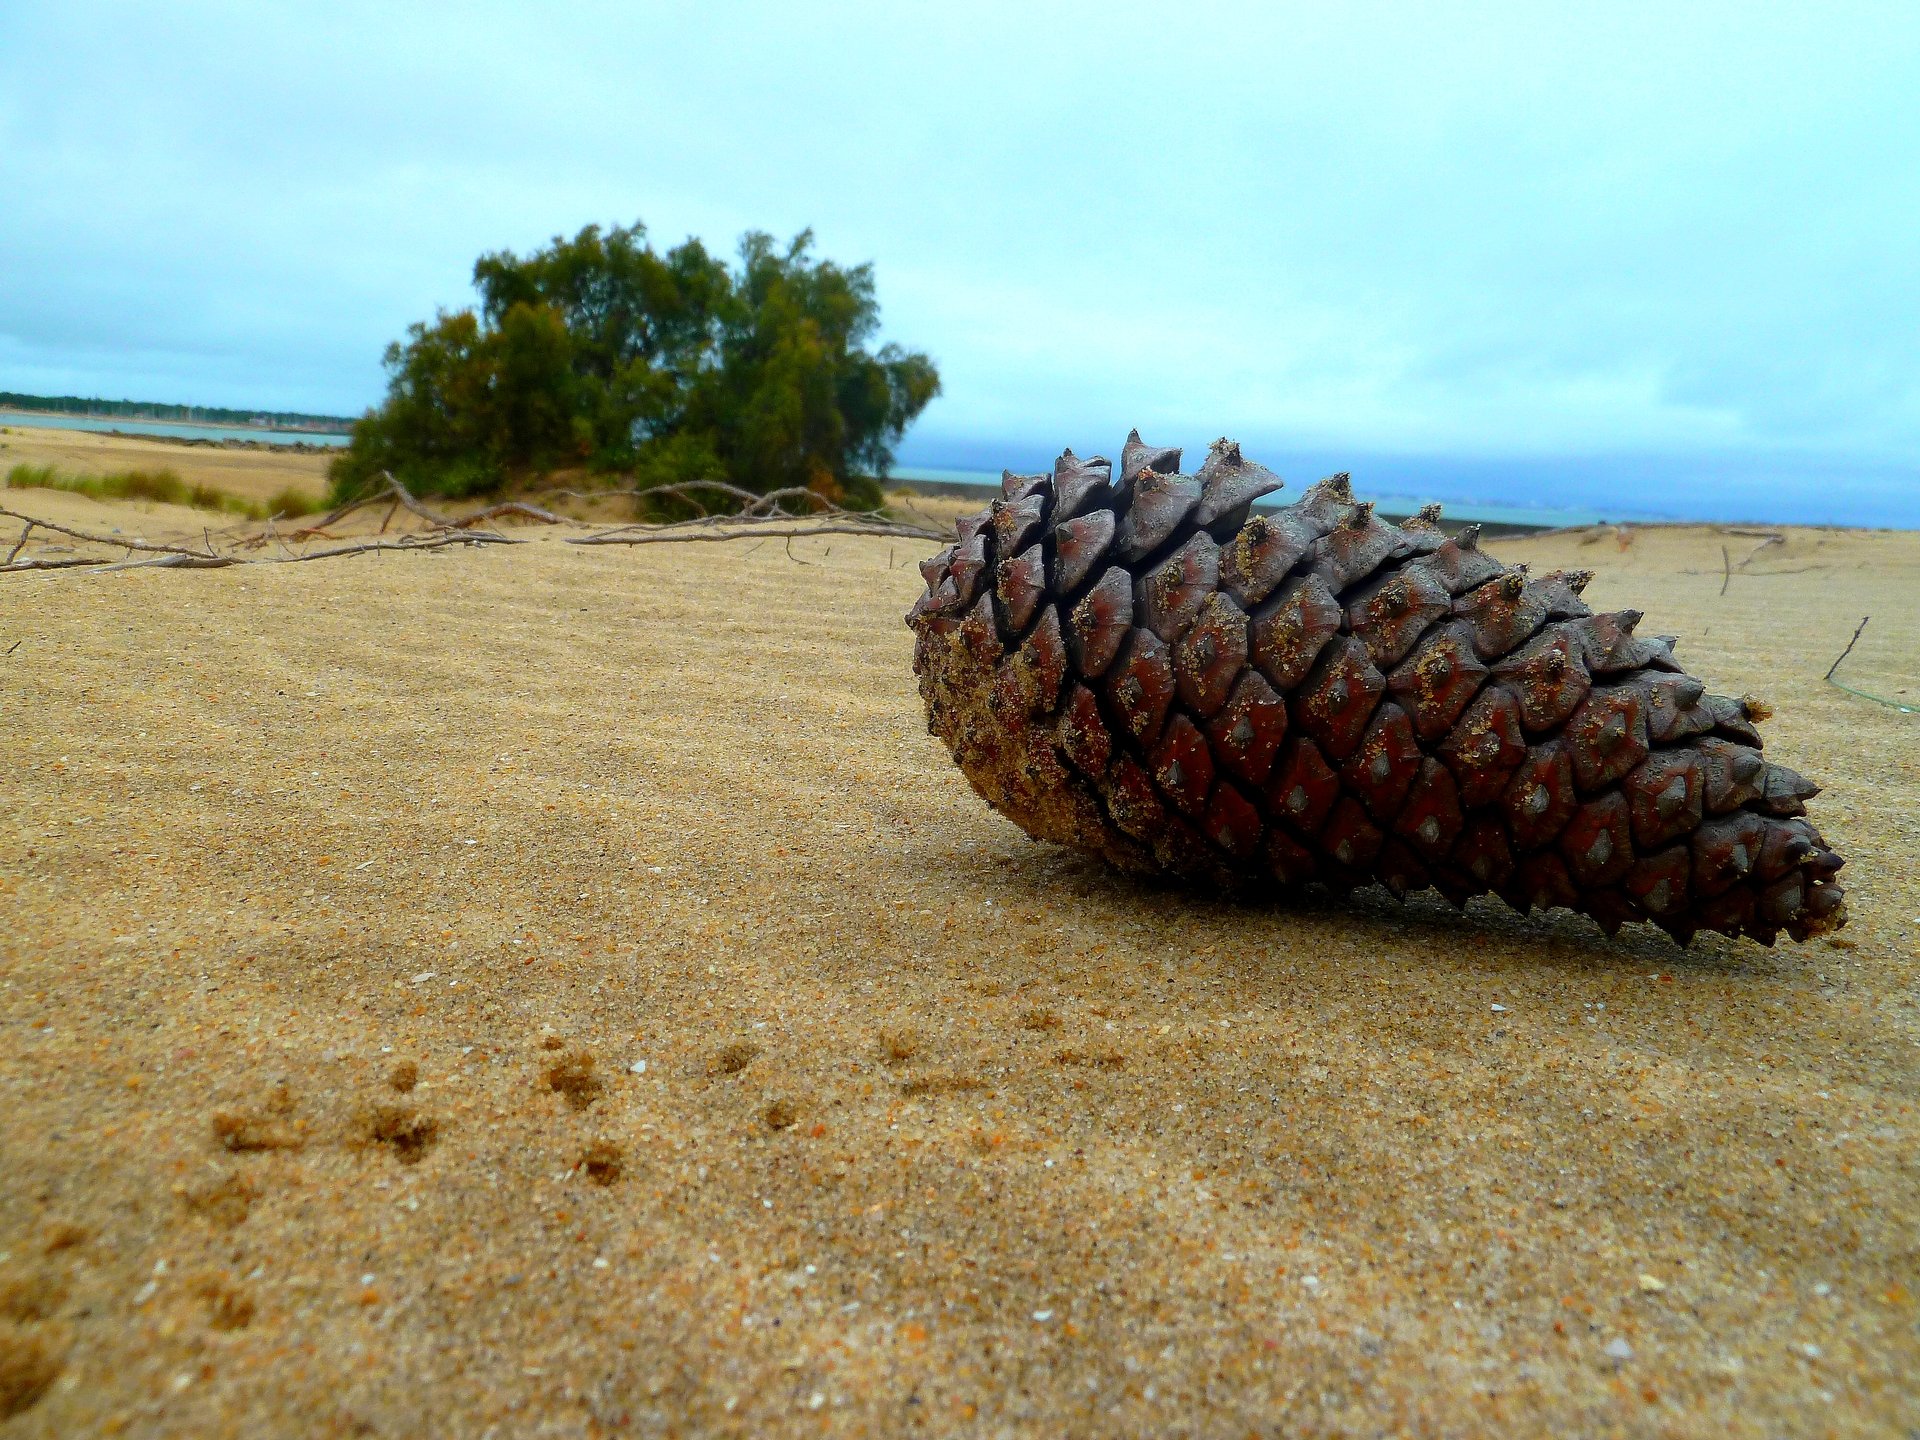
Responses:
[290,501]
[30,477]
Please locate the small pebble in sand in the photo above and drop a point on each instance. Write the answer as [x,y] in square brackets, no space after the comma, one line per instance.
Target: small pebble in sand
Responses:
[1499,1009]
[1043,1316]
[1651,1285]
[1619,1349]
[639,1067]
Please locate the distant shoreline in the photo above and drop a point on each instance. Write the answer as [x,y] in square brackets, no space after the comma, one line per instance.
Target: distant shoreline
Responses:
[7,411]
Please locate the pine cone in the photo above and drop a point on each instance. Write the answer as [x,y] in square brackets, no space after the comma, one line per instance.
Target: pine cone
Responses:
[1151,672]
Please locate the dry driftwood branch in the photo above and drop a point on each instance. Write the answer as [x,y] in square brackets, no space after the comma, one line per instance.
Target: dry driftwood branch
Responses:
[393,493]
[1769,539]
[751,503]
[1773,539]
[512,507]
[220,562]
[181,557]
[119,542]
[675,535]
[177,562]
[31,564]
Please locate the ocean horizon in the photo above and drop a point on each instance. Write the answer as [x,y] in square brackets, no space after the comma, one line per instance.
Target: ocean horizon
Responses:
[1740,489]
[1526,517]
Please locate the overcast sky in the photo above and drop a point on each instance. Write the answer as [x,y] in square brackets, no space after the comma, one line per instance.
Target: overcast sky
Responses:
[1504,240]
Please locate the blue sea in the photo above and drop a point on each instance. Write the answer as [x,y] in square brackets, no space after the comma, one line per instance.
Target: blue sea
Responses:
[113,424]
[1532,517]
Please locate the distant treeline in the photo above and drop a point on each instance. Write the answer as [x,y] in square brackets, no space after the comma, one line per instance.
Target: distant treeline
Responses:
[188,414]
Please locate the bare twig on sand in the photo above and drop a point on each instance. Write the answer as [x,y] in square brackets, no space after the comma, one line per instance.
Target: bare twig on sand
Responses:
[119,542]
[786,514]
[1863,694]
[1768,539]
[1849,650]
[682,532]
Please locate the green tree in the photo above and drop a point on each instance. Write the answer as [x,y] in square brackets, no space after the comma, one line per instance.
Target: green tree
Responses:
[599,350]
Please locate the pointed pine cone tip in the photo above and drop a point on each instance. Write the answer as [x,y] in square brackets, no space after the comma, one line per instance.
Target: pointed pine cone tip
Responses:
[1426,518]
[1138,458]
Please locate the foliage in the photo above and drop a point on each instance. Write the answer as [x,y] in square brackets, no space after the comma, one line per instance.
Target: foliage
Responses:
[602,351]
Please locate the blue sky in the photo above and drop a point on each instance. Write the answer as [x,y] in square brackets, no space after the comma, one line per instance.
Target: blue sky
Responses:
[1493,251]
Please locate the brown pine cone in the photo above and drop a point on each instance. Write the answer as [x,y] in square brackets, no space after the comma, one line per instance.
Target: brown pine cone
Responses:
[1150,671]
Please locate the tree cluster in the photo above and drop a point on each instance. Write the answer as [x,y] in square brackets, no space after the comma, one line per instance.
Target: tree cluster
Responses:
[601,352]
[149,410]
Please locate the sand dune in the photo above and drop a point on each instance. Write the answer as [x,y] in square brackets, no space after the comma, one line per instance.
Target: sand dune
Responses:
[567,991]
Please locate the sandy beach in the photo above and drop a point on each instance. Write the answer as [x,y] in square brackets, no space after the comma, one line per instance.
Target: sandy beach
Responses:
[561,991]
